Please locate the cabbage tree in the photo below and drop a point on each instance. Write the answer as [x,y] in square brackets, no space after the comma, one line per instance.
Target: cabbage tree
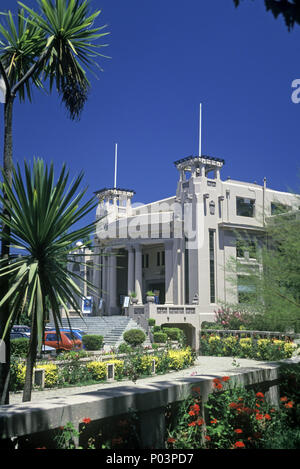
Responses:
[55,46]
[42,215]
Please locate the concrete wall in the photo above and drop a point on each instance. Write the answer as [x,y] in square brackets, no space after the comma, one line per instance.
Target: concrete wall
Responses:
[149,400]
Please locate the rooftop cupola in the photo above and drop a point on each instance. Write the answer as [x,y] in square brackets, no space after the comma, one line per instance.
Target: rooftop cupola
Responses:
[114,202]
[199,166]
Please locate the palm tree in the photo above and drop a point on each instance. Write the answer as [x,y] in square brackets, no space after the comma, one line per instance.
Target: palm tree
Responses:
[55,46]
[42,214]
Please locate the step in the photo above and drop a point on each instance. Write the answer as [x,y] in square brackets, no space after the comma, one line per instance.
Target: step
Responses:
[111,328]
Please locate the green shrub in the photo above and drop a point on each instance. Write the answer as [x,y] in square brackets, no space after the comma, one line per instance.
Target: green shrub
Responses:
[157,329]
[173,333]
[124,348]
[92,342]
[134,337]
[151,322]
[160,337]
[19,347]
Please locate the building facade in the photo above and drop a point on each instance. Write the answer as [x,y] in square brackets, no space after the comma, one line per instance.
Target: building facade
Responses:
[180,247]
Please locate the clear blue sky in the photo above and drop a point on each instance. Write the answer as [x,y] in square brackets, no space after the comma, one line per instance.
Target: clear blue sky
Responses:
[167,57]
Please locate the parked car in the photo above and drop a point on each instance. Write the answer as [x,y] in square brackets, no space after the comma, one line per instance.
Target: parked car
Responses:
[19,335]
[46,349]
[66,341]
[20,328]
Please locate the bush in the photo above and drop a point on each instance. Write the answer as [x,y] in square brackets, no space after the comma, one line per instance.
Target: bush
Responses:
[157,329]
[19,347]
[134,337]
[92,342]
[160,337]
[173,333]
[151,322]
[124,348]
[233,418]
[98,370]
[246,347]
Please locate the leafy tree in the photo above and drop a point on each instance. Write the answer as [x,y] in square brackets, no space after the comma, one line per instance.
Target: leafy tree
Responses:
[270,284]
[290,10]
[42,214]
[55,46]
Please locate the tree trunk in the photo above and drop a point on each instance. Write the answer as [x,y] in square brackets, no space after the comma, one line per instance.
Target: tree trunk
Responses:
[30,361]
[4,282]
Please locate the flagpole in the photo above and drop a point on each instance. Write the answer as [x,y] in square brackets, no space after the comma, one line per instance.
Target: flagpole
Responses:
[116,165]
[200,130]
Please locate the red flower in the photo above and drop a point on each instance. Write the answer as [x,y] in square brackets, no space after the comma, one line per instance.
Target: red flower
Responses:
[259,417]
[239,444]
[195,408]
[225,378]
[86,420]
[191,413]
[192,424]
[289,405]
[283,399]
[233,405]
[268,417]
[217,384]
[214,421]
[260,394]
[171,440]
[200,422]
[207,437]
[238,430]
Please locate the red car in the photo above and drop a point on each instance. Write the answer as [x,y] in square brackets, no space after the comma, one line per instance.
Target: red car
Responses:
[66,341]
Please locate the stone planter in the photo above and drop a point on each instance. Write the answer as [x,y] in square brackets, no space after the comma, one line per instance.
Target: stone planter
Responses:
[134,300]
[150,299]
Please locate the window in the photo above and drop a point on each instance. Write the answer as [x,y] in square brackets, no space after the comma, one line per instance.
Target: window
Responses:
[145,261]
[212,265]
[277,208]
[245,207]
[160,259]
[246,289]
[246,246]
[51,338]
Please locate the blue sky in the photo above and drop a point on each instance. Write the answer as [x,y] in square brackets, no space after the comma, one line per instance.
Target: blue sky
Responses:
[167,57]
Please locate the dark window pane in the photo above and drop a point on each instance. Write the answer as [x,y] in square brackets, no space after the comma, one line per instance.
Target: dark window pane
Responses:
[245,207]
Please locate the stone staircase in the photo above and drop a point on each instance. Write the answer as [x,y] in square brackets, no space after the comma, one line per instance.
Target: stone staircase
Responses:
[111,328]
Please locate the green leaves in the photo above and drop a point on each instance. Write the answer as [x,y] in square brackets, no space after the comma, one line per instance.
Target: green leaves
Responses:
[42,214]
[71,46]
[57,45]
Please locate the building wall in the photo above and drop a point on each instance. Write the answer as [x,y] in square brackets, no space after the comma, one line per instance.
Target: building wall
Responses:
[202,215]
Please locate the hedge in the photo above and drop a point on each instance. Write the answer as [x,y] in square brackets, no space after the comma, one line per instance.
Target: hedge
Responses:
[160,337]
[134,337]
[92,342]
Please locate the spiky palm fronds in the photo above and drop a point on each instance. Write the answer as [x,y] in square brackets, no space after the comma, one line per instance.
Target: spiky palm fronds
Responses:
[42,214]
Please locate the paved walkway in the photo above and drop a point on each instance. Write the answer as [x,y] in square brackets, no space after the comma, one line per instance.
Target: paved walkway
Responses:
[204,366]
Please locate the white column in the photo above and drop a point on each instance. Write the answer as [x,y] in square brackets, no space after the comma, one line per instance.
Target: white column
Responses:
[112,280]
[104,292]
[138,273]
[169,271]
[130,274]
[97,274]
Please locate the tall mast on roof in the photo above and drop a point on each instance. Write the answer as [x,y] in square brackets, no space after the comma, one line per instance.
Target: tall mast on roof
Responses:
[116,165]
[200,130]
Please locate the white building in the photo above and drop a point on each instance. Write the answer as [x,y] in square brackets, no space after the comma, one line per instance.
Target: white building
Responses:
[180,247]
